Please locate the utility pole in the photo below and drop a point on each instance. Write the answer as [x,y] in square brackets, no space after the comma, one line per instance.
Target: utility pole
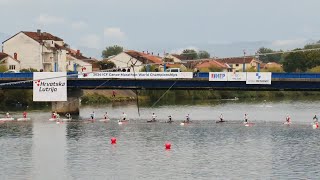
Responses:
[244,61]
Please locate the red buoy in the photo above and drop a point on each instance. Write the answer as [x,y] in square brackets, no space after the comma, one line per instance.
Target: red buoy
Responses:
[113,140]
[168,146]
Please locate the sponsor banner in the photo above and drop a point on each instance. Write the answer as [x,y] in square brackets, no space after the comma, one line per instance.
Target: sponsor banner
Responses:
[137,75]
[218,76]
[258,78]
[49,86]
[237,76]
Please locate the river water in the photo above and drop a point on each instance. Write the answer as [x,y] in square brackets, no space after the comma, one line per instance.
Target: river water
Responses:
[40,149]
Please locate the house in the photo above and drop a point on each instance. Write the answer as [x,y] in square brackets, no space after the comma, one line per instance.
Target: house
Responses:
[174,61]
[236,63]
[11,63]
[129,58]
[212,65]
[37,50]
[77,62]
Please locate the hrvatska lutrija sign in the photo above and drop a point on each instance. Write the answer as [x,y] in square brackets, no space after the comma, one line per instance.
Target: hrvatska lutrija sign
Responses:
[49,86]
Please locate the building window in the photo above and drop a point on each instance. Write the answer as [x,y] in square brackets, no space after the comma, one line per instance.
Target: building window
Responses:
[12,67]
[237,65]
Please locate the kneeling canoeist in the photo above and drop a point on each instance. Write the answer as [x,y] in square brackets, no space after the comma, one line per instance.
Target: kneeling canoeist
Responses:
[170,118]
[106,115]
[68,115]
[153,117]
[92,115]
[7,115]
[187,118]
[221,117]
[288,119]
[24,114]
[315,118]
[246,118]
[124,117]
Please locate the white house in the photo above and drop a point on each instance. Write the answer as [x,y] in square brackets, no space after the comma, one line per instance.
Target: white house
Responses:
[128,58]
[38,50]
[77,62]
[9,62]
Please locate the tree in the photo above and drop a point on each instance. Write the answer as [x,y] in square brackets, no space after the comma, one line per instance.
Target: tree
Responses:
[107,65]
[112,51]
[203,55]
[312,46]
[3,68]
[269,57]
[190,54]
[295,62]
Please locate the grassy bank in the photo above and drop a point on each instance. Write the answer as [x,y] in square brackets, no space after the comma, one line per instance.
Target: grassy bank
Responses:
[148,97]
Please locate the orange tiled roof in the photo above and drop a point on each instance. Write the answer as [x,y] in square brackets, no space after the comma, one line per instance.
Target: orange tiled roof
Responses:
[42,36]
[210,62]
[3,55]
[143,56]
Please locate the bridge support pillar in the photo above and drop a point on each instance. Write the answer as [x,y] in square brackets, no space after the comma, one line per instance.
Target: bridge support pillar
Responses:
[71,105]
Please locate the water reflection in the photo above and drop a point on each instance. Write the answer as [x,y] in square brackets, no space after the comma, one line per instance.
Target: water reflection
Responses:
[16,150]
[40,149]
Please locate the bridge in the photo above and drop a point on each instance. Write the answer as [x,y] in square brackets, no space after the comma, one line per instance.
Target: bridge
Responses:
[280,81]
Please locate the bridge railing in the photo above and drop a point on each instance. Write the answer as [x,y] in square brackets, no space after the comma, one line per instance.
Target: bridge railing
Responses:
[28,75]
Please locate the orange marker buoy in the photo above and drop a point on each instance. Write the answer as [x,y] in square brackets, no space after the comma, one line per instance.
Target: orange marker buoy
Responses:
[113,140]
[168,146]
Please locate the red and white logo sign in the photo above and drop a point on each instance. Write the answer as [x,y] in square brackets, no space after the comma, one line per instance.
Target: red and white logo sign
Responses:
[50,86]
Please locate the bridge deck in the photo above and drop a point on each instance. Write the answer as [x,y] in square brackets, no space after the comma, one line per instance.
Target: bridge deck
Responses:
[280,81]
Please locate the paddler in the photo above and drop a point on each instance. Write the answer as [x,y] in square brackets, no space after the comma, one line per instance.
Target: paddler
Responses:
[153,117]
[24,114]
[124,116]
[106,115]
[221,117]
[246,118]
[288,119]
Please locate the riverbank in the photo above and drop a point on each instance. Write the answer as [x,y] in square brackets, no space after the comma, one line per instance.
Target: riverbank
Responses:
[149,97]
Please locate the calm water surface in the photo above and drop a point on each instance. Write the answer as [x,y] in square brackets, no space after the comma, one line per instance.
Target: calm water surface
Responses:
[40,149]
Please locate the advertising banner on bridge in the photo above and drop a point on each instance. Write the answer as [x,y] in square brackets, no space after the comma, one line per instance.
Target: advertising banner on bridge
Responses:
[258,78]
[49,86]
[237,76]
[137,75]
[218,76]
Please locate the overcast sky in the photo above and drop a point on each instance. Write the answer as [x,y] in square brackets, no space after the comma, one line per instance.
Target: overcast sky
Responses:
[167,25]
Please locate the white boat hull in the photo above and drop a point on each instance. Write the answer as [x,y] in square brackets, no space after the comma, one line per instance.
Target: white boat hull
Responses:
[6,119]
[23,119]
[53,119]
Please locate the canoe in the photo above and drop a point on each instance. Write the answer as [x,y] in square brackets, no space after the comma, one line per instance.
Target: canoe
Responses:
[104,120]
[53,119]
[7,119]
[23,119]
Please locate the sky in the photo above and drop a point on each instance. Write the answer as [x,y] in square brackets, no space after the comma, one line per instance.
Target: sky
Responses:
[221,27]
